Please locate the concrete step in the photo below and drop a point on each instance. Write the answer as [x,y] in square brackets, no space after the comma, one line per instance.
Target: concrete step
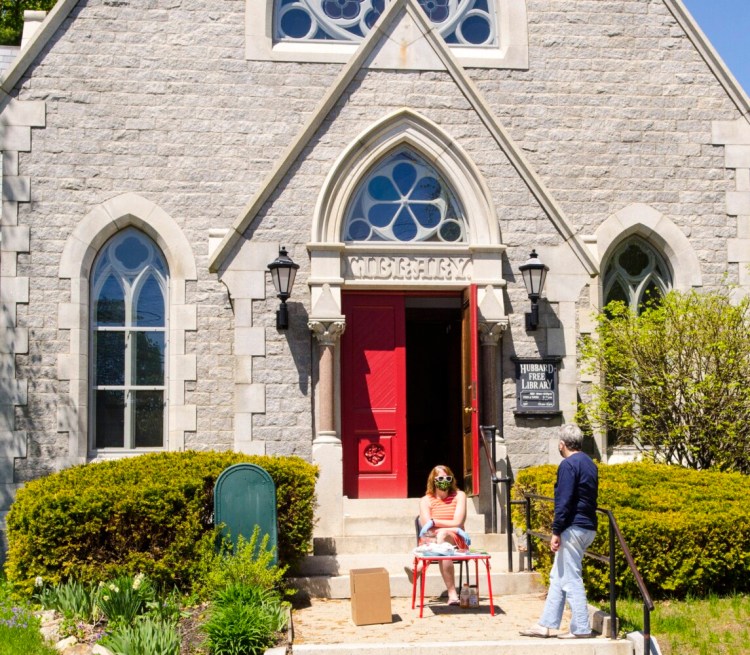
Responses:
[399,524]
[338,586]
[510,647]
[313,565]
[355,544]
[368,507]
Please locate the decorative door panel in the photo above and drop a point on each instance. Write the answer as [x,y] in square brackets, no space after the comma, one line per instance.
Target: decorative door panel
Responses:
[373,395]
[470,389]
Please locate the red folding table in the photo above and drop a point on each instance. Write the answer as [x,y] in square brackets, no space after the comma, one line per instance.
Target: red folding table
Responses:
[426,560]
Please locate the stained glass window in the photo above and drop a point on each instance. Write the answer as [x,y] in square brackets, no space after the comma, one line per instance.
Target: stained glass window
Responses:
[462,22]
[404,199]
[129,343]
[636,275]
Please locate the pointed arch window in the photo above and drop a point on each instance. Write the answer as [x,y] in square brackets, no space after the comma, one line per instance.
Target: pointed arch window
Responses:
[404,199]
[459,22]
[128,337]
[636,274]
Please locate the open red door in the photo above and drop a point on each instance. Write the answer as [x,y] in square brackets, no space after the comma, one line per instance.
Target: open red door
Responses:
[470,389]
[373,394]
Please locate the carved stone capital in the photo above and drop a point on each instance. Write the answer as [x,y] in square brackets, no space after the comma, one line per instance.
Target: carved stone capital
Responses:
[490,332]
[327,332]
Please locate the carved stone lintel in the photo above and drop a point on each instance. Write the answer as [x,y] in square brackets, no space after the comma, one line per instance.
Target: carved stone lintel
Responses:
[490,333]
[327,332]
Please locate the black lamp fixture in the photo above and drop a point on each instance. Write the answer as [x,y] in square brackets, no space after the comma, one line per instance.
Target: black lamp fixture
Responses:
[534,273]
[283,270]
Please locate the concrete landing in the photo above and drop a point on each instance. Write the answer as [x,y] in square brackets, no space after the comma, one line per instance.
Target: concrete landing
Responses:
[324,627]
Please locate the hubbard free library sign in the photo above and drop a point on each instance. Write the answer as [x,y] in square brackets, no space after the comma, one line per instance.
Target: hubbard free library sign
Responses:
[536,386]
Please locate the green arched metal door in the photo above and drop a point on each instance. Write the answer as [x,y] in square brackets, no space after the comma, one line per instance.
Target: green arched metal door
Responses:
[245,496]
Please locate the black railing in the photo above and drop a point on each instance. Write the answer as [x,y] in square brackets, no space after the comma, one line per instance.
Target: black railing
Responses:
[614,535]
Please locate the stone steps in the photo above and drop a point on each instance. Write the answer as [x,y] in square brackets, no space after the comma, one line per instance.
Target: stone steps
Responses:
[392,562]
[395,543]
[599,646]
[338,586]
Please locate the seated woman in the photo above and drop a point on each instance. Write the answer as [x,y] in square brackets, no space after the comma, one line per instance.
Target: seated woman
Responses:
[442,512]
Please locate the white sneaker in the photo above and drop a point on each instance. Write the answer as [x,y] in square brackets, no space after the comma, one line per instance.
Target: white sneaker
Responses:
[570,635]
[537,630]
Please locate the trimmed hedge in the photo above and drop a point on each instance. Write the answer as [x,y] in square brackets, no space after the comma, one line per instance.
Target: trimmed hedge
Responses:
[688,531]
[152,514]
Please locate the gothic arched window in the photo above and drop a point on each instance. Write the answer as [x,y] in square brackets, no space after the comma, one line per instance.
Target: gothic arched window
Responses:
[635,275]
[128,338]
[404,199]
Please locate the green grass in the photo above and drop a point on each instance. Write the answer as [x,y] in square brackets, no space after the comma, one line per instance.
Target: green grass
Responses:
[19,629]
[711,626]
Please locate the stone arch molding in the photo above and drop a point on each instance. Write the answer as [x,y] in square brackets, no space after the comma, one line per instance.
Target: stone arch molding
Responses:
[335,264]
[656,228]
[405,128]
[79,253]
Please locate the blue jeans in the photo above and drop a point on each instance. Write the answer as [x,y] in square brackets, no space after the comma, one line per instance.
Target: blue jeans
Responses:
[566,583]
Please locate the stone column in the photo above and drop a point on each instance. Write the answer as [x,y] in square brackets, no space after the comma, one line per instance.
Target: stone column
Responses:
[326,447]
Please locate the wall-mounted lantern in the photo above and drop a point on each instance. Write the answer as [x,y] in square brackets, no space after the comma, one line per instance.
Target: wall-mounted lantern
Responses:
[283,270]
[534,274]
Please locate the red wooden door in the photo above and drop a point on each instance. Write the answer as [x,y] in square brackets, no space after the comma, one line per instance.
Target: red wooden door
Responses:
[470,386]
[373,393]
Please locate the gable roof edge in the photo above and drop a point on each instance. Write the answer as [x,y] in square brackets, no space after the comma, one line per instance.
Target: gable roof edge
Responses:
[526,172]
[303,137]
[36,44]
[470,91]
[709,54]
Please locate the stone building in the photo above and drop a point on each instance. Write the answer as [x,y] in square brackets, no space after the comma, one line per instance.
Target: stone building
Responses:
[409,156]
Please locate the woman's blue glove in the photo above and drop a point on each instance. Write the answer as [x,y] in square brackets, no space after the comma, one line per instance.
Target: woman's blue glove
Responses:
[426,528]
[461,533]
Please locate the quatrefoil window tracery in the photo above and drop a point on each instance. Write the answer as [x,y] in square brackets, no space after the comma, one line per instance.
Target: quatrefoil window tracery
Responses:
[405,200]
[459,22]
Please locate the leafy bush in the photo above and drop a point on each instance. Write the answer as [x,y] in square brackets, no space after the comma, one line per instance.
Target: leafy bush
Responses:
[250,563]
[688,531]
[151,513]
[148,636]
[674,379]
[244,620]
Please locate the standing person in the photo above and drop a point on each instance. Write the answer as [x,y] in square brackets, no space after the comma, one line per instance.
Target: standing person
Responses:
[573,531]
[442,512]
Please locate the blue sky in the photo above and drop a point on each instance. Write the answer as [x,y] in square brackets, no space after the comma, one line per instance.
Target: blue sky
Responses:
[727,25]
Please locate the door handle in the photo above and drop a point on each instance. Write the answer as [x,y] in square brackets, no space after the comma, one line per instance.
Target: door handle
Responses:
[469,410]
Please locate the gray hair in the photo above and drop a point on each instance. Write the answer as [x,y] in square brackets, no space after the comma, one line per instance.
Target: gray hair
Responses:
[571,436]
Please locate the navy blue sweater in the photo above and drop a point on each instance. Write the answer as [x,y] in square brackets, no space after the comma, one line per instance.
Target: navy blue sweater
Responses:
[576,492]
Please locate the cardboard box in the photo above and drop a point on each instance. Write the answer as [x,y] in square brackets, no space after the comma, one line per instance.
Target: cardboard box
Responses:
[371,596]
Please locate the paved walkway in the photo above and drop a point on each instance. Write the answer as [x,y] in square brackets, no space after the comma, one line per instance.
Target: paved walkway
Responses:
[327,621]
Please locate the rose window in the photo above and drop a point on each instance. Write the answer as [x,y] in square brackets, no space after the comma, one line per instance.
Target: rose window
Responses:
[460,22]
[404,199]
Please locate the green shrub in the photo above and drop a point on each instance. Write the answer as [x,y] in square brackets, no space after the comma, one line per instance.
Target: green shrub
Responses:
[244,620]
[151,513]
[688,531]
[250,563]
[148,636]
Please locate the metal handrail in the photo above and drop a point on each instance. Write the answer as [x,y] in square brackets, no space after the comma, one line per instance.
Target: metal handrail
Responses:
[614,532]
[489,452]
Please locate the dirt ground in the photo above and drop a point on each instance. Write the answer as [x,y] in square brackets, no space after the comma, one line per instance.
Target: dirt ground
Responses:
[326,621]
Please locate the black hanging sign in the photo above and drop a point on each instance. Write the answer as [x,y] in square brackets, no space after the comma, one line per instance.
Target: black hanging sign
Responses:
[536,386]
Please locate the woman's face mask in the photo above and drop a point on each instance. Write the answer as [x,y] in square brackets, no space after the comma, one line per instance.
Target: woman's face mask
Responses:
[443,482]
